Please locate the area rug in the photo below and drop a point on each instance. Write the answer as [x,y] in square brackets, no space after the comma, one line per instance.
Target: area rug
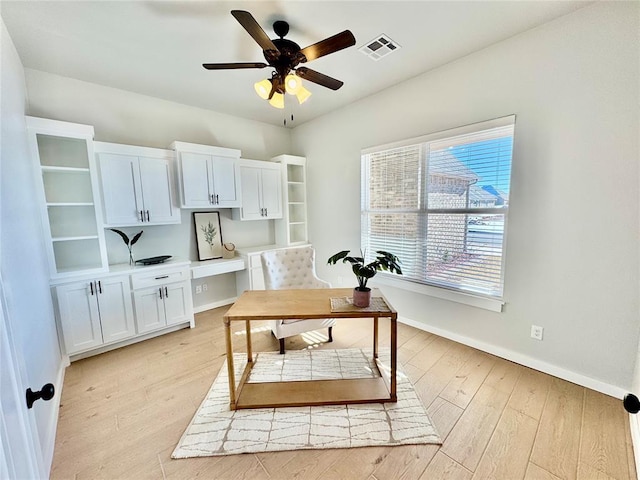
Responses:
[216,430]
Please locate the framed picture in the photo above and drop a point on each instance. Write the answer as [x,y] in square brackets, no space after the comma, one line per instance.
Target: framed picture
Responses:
[208,235]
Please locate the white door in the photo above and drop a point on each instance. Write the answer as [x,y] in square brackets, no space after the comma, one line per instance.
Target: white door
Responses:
[155,180]
[149,309]
[225,182]
[119,175]
[251,201]
[176,302]
[272,192]
[79,316]
[116,308]
[18,451]
[196,179]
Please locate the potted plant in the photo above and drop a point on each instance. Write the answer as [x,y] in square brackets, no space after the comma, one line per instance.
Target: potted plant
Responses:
[363,272]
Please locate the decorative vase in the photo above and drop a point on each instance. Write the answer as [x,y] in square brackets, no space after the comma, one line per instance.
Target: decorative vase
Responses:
[362,296]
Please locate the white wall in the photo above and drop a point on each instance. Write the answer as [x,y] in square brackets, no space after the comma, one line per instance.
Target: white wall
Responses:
[572,259]
[23,259]
[130,118]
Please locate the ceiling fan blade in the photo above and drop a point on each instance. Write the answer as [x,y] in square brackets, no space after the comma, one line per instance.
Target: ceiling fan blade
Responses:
[228,66]
[319,78]
[254,29]
[329,45]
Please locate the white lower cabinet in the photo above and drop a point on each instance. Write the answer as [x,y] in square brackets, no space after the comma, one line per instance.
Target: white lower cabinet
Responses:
[95,312]
[162,299]
[122,307]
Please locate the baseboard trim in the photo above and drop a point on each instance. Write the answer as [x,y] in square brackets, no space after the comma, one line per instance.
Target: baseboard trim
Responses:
[210,306]
[521,359]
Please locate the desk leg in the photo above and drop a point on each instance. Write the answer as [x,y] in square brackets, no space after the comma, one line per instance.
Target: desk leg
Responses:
[394,358]
[375,337]
[249,353]
[230,371]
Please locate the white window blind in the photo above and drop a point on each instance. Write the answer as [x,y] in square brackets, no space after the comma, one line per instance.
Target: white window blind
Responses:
[440,203]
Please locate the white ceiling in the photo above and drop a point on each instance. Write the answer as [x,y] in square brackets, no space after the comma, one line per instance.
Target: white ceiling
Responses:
[157,48]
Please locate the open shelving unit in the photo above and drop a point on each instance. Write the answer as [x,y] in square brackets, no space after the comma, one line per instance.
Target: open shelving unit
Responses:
[70,213]
[292,229]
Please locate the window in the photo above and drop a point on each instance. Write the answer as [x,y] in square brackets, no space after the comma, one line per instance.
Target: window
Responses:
[440,203]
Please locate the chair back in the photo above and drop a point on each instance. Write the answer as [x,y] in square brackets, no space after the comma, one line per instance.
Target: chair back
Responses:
[290,268]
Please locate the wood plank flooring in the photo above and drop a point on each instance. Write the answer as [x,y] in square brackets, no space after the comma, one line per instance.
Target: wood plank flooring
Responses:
[124,411]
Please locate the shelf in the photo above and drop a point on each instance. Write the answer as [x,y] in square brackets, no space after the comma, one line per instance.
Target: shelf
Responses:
[70,204]
[48,168]
[295,183]
[67,239]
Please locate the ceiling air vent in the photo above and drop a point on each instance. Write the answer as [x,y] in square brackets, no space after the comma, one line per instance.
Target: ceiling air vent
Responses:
[379,47]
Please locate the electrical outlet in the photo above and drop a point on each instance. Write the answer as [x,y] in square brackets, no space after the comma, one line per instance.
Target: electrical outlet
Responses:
[536,332]
[198,289]
[204,287]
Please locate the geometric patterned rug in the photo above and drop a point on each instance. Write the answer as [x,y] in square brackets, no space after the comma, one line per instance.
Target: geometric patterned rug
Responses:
[216,430]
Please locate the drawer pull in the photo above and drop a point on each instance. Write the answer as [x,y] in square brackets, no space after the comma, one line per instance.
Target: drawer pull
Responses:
[163,276]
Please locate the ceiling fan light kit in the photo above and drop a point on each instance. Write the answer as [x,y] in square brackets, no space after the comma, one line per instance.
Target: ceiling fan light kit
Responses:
[284,56]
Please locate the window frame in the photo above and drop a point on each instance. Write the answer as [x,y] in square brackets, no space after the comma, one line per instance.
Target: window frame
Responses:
[454,293]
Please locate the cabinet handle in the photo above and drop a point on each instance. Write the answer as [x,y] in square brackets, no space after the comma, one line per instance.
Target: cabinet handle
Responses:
[141,216]
[166,292]
[211,199]
[148,218]
[217,200]
[99,286]
[266,213]
[160,292]
[91,286]
[163,276]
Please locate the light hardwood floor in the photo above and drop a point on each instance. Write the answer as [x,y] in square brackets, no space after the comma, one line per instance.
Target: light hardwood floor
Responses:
[124,411]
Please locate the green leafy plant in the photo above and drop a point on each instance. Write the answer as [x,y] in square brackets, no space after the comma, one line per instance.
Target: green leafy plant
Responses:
[128,242]
[209,232]
[384,261]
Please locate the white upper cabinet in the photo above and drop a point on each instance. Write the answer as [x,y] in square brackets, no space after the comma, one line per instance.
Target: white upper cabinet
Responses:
[261,190]
[209,176]
[137,185]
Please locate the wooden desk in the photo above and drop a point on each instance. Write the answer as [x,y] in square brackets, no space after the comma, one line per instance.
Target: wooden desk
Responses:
[305,304]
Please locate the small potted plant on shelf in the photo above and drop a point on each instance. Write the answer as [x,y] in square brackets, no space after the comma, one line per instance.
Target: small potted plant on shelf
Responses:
[384,261]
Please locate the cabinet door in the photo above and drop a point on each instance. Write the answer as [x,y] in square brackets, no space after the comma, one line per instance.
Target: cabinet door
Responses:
[149,309]
[196,179]
[177,302]
[251,201]
[120,177]
[79,317]
[272,192]
[116,308]
[225,182]
[155,182]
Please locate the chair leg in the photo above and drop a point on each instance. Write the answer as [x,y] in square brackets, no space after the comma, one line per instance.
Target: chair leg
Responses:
[282,346]
[330,334]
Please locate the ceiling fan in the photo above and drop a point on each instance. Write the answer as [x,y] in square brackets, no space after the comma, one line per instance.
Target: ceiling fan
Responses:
[284,56]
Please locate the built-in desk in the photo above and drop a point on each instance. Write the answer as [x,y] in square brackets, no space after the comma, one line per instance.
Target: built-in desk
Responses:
[218,266]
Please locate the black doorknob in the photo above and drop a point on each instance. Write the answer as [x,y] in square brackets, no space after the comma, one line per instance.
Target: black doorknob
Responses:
[631,403]
[46,393]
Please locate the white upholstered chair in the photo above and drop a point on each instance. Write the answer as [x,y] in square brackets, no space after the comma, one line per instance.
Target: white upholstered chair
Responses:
[292,268]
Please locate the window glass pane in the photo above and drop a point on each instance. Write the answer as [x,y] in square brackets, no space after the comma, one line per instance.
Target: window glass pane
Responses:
[470,173]
[465,252]
[398,233]
[394,178]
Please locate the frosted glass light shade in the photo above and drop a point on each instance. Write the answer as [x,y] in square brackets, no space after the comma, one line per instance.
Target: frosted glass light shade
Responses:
[303,94]
[263,88]
[292,84]
[277,100]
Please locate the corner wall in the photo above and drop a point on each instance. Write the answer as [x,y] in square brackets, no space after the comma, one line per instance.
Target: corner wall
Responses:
[572,262]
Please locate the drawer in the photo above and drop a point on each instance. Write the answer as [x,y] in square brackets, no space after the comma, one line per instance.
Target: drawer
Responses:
[159,277]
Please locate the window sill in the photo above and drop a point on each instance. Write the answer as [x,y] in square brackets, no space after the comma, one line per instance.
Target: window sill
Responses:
[491,304]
